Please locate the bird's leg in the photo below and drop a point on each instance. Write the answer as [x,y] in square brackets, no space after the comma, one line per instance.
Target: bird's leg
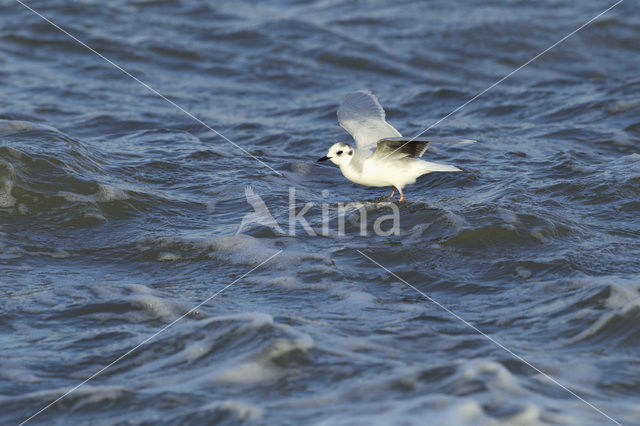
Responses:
[401,196]
[394,191]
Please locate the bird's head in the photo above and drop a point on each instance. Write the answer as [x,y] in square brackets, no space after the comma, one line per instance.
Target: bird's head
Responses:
[339,154]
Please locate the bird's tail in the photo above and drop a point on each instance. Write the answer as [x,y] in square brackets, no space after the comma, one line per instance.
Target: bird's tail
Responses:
[435,167]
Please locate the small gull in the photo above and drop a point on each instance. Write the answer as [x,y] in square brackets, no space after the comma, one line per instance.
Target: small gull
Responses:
[395,161]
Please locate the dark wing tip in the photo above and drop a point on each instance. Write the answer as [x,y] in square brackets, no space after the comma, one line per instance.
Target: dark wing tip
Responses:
[421,148]
[403,146]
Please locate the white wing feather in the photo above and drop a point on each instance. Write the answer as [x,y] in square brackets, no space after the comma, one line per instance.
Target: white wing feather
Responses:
[362,116]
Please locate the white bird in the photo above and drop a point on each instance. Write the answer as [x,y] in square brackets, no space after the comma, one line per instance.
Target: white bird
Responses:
[395,161]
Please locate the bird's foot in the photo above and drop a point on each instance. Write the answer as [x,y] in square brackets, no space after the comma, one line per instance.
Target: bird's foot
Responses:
[394,191]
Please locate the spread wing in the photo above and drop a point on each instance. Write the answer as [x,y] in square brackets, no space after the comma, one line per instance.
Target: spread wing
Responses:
[361,115]
[411,147]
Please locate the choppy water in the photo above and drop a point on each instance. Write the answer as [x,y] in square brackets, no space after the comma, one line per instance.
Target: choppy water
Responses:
[119,213]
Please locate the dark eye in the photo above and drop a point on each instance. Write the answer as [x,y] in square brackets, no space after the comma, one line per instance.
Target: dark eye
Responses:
[350,152]
[339,153]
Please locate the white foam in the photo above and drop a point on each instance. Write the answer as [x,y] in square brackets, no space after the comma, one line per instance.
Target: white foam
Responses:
[441,409]
[632,160]
[56,253]
[94,215]
[494,374]
[98,395]
[578,168]
[466,411]
[241,411]
[248,373]
[254,320]
[523,272]
[195,350]
[6,199]
[280,347]
[540,234]
[104,194]
[241,248]
[168,257]
[245,249]
[84,395]
[508,216]
[625,294]
[138,288]
[108,193]
[357,297]
[262,369]
[157,307]
[622,106]
[288,282]
[14,372]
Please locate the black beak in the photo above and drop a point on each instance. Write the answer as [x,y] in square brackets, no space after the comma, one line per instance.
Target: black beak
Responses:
[323,159]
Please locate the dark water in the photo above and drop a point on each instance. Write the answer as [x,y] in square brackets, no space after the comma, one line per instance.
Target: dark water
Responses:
[119,213]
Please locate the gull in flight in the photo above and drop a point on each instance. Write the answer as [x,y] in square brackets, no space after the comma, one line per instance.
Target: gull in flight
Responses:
[395,160]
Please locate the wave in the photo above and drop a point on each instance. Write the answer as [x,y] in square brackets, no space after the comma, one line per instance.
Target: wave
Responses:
[46,173]
[42,169]
[615,314]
